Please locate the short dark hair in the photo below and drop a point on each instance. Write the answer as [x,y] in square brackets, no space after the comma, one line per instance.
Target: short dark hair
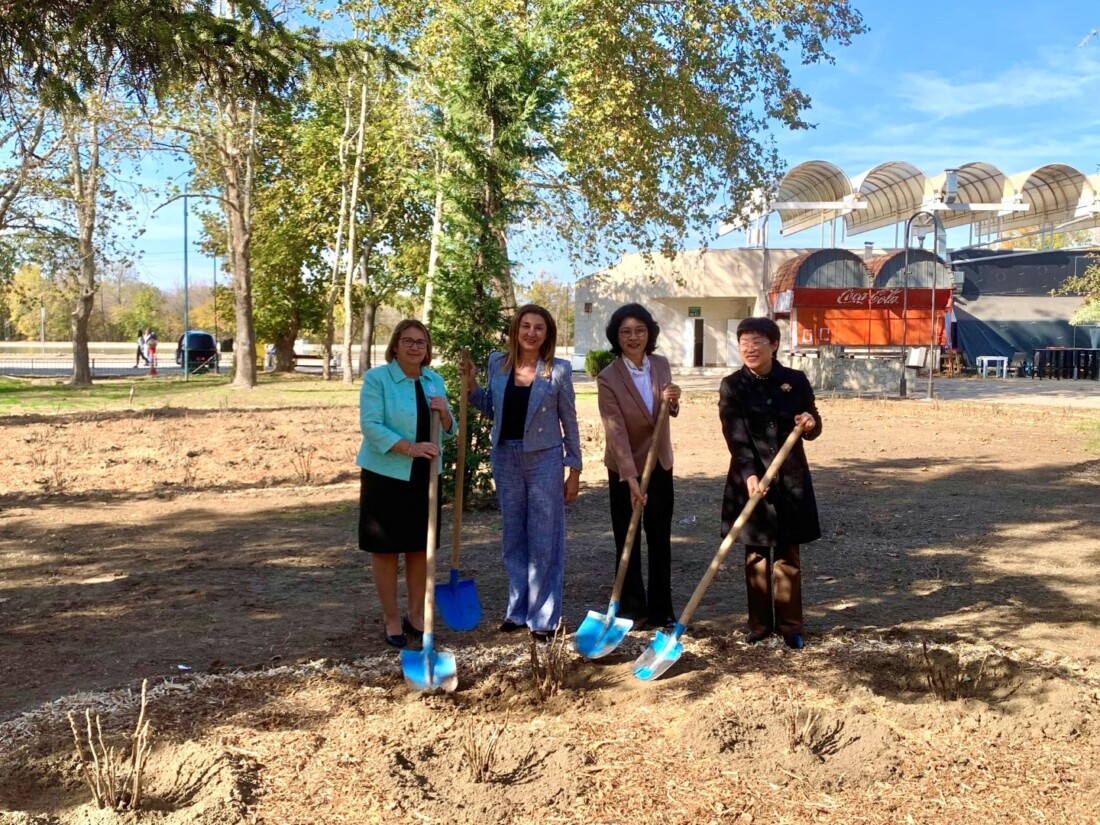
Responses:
[632,311]
[762,326]
[399,330]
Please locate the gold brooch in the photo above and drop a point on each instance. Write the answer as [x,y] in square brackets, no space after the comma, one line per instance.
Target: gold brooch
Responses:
[785,387]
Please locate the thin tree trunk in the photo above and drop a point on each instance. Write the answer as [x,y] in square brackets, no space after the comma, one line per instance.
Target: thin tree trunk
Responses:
[437,236]
[85,195]
[338,248]
[370,313]
[505,287]
[237,171]
[349,261]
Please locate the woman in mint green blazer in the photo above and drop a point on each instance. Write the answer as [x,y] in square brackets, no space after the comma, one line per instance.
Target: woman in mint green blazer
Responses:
[395,460]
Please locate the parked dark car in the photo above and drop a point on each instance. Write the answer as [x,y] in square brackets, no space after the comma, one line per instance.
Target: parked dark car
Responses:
[202,351]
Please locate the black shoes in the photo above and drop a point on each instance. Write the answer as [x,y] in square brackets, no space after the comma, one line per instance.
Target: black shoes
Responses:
[410,631]
[508,626]
[755,636]
[542,636]
[396,640]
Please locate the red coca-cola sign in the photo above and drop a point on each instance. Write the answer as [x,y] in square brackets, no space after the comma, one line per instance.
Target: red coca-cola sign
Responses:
[868,298]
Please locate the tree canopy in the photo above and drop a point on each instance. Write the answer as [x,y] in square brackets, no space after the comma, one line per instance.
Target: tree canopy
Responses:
[57,48]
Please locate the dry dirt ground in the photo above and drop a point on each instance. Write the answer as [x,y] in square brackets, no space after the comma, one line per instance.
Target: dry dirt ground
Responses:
[951,672]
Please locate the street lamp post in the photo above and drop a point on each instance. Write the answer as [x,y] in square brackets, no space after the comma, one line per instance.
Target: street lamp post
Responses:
[186,338]
[922,233]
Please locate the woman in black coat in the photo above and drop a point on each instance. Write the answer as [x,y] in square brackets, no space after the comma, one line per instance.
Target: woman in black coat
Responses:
[759,406]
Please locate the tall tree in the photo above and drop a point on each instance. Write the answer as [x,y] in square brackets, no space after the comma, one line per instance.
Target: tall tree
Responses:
[220,119]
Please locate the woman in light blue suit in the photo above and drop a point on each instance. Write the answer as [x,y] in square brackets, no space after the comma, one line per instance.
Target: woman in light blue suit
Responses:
[396,458]
[535,437]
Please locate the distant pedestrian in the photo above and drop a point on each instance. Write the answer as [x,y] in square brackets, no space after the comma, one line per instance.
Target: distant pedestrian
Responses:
[151,349]
[140,350]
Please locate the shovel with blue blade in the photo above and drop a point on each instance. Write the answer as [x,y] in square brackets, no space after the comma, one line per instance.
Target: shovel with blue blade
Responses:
[600,633]
[666,648]
[426,669]
[457,599]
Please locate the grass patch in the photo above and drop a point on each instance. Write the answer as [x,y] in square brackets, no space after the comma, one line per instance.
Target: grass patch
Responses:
[37,396]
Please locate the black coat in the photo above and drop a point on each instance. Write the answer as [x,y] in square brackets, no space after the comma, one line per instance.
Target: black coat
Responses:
[757,415]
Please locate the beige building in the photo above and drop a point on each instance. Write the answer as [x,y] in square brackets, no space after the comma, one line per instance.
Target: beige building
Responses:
[697,297]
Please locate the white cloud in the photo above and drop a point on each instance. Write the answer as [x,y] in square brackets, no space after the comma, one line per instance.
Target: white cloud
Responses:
[1059,78]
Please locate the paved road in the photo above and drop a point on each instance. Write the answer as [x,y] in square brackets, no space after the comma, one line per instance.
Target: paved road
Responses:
[101,367]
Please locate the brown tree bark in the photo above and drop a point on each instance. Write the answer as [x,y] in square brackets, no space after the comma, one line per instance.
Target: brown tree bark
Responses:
[85,183]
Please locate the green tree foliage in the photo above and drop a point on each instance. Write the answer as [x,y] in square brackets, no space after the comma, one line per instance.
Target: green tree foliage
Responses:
[1087,285]
[145,308]
[29,291]
[596,360]
[668,107]
[57,48]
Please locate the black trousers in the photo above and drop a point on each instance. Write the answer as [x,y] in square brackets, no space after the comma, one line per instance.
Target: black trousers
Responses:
[783,583]
[657,523]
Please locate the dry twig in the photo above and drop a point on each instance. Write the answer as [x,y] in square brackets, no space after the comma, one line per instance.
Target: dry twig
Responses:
[548,672]
[480,751]
[101,769]
[303,462]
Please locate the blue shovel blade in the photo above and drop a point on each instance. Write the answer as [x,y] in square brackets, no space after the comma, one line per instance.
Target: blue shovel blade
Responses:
[458,603]
[600,633]
[661,654]
[427,670]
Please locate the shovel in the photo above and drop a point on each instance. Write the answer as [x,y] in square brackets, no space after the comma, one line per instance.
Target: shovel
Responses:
[458,602]
[666,648]
[425,669]
[601,633]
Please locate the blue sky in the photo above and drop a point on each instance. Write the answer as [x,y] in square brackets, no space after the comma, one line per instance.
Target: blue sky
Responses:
[940,84]
[935,83]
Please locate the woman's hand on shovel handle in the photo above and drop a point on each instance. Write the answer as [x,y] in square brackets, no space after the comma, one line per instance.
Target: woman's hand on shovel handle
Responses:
[470,369]
[636,492]
[753,484]
[438,403]
[805,421]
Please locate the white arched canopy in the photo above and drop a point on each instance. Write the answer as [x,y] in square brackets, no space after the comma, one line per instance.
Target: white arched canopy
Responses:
[812,182]
[817,192]
[1055,194]
[892,191]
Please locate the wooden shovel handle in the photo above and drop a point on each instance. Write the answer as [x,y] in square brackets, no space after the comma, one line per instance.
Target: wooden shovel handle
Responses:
[636,515]
[460,462]
[433,529]
[746,511]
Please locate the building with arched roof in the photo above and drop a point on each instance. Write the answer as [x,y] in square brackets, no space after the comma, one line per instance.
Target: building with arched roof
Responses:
[698,297]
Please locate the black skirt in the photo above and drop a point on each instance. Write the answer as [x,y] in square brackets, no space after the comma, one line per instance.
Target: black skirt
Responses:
[393,514]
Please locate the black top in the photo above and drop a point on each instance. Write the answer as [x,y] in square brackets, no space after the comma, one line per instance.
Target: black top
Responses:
[513,418]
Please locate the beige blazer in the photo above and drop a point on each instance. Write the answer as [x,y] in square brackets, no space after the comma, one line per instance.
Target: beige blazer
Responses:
[627,422]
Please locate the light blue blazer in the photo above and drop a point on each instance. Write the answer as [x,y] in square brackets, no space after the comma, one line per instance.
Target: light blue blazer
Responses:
[387,413]
[551,410]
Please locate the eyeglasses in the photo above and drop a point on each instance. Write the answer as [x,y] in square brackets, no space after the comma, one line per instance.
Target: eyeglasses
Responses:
[747,342]
[414,343]
[633,332]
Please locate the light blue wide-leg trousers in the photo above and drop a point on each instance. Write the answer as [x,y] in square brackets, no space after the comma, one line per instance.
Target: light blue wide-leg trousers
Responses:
[531,492]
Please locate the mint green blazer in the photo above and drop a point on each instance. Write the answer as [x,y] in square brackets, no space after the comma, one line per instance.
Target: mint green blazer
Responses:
[387,413]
